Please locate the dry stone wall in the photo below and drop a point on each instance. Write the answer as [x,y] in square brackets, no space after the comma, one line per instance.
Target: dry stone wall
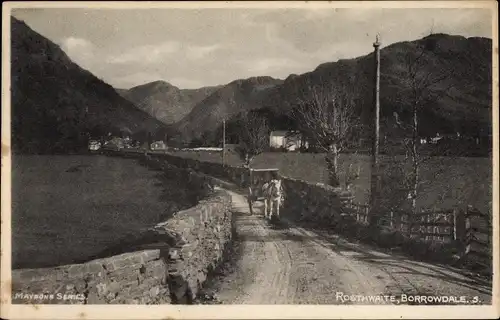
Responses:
[167,263]
[304,201]
[136,277]
[319,203]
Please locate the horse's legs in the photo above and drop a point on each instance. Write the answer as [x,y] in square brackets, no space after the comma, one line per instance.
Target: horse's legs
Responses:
[250,206]
[271,208]
[265,208]
[278,208]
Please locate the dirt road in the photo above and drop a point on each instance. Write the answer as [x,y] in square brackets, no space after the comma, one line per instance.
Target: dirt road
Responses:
[287,264]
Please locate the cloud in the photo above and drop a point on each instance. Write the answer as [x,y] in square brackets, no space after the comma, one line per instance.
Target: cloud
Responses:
[263,65]
[199,52]
[146,54]
[73,43]
[317,13]
[214,46]
[79,50]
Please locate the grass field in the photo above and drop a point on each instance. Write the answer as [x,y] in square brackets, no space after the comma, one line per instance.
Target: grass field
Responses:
[67,208]
[446,182]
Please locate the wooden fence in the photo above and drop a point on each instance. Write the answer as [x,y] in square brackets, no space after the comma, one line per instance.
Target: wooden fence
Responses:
[477,237]
[469,230]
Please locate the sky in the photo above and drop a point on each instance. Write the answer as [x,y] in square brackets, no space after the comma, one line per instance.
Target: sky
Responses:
[192,48]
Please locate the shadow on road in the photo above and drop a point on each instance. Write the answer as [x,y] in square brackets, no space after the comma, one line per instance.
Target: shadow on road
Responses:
[389,262]
[394,265]
[258,228]
[403,265]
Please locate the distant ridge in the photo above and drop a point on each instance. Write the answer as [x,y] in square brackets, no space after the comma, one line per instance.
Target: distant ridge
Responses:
[164,101]
[465,108]
[227,101]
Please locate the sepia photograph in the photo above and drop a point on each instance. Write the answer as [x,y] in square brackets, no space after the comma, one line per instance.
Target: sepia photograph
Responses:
[250,160]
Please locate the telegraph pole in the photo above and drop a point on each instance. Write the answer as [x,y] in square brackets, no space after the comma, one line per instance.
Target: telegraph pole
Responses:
[375,173]
[223,142]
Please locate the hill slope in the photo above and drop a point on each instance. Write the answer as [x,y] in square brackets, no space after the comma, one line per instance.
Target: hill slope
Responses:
[55,102]
[460,102]
[164,101]
[237,96]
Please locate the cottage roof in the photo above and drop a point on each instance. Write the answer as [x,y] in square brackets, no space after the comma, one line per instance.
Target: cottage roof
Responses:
[282,132]
[279,133]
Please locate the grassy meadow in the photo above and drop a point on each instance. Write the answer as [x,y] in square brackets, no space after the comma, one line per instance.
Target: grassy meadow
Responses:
[446,182]
[67,208]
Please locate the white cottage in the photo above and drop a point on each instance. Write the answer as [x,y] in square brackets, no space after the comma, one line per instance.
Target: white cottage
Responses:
[289,140]
[158,145]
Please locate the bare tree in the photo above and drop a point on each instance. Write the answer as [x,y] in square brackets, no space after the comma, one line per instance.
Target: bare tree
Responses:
[294,139]
[425,83]
[351,175]
[325,114]
[253,135]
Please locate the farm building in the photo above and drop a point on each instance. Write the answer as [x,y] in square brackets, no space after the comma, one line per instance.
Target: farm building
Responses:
[290,140]
[438,137]
[115,143]
[158,145]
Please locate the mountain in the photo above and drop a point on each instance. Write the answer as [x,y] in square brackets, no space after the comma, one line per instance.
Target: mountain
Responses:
[227,101]
[164,101]
[55,103]
[454,83]
[460,101]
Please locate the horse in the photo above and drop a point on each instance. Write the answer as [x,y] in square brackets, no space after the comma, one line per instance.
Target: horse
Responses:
[273,194]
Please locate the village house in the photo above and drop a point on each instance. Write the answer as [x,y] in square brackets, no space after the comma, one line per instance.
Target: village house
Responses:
[158,145]
[289,140]
[438,137]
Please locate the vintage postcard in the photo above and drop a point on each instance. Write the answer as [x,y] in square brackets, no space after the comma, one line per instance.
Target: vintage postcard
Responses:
[250,160]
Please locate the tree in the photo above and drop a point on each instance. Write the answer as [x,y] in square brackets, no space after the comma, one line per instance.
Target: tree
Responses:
[325,114]
[425,83]
[253,134]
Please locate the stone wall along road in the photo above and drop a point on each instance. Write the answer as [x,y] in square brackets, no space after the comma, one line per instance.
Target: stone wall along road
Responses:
[167,263]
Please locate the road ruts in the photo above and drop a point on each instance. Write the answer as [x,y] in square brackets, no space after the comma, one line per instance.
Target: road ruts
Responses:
[264,267]
[286,264]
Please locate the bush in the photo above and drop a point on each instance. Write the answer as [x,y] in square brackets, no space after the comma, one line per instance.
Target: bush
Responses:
[389,239]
